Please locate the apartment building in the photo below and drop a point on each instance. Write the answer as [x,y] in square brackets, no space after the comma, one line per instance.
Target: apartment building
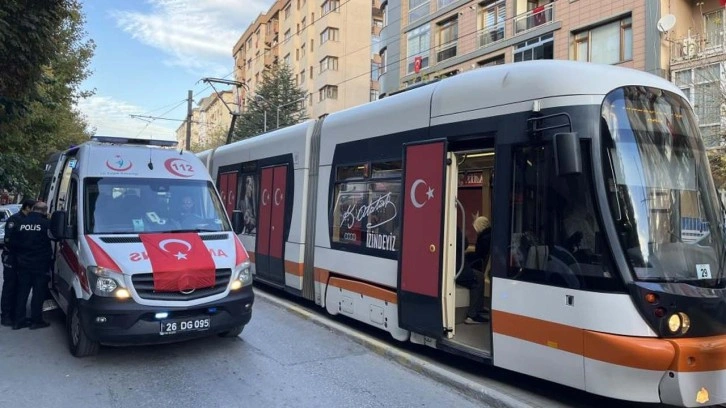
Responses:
[424,40]
[211,119]
[331,46]
[696,33]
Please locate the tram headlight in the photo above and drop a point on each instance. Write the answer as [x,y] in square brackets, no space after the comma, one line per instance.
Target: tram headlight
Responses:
[679,323]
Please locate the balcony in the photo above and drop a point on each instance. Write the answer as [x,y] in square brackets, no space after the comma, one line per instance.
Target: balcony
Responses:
[490,35]
[696,46]
[534,18]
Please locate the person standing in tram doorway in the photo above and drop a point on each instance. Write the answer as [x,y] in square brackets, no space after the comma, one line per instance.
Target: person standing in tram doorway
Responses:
[33,250]
[472,277]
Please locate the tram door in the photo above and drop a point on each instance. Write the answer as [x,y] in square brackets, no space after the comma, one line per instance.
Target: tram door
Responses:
[228,191]
[422,306]
[269,256]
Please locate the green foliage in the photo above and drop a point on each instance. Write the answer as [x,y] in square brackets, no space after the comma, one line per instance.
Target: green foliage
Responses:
[216,139]
[277,89]
[44,58]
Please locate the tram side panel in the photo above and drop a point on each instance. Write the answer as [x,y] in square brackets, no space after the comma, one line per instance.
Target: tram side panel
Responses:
[357,221]
[283,155]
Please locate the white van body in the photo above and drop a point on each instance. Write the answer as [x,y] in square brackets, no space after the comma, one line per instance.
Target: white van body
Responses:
[130,267]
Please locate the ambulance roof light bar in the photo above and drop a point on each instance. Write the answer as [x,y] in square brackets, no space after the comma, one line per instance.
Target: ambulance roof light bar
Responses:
[133,141]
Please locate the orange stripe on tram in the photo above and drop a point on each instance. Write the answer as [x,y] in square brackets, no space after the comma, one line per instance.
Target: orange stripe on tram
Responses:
[365,289]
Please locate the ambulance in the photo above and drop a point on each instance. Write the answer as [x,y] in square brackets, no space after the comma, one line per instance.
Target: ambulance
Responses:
[144,251]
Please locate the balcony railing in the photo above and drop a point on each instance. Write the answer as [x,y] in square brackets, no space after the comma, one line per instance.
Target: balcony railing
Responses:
[490,35]
[534,18]
[696,46]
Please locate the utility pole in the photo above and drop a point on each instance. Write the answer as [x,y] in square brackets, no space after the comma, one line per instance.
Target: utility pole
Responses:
[238,84]
[189,120]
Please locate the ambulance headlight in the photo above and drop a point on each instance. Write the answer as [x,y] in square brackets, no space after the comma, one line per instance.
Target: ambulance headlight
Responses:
[241,276]
[104,282]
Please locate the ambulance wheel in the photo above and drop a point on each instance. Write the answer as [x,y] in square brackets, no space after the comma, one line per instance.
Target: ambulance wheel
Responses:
[78,341]
[234,332]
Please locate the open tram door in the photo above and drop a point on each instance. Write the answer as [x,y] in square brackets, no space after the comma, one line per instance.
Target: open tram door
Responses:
[424,291]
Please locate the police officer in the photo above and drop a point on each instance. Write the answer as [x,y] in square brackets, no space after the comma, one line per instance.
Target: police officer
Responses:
[33,256]
[10,275]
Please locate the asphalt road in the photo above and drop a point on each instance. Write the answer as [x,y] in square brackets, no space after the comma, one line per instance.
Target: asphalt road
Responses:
[279,360]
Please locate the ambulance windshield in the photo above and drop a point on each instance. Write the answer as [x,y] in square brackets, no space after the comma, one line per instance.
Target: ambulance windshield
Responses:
[114,205]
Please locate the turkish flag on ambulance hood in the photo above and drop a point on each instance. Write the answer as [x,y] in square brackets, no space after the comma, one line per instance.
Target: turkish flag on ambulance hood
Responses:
[180,262]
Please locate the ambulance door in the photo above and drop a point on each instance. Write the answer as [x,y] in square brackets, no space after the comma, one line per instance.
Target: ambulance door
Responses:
[422,305]
[67,263]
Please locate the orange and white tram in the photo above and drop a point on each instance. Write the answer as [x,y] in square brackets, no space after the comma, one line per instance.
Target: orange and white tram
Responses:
[607,249]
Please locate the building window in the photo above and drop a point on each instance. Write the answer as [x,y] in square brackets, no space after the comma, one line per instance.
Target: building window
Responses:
[419,42]
[715,27]
[287,59]
[417,9]
[490,21]
[302,23]
[329,63]
[499,60]
[375,70]
[443,3]
[384,55]
[287,35]
[302,50]
[302,77]
[384,11]
[538,48]
[287,12]
[329,34]
[328,92]
[607,44]
[702,86]
[365,212]
[448,33]
[374,95]
[330,6]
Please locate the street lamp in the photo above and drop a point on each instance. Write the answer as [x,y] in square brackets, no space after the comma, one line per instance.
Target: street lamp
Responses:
[287,104]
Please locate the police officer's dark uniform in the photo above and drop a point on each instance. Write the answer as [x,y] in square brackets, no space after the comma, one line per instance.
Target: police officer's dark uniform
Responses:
[10,274]
[33,255]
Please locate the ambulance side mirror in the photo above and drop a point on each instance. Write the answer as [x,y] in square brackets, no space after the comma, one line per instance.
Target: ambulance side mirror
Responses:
[237,221]
[58,225]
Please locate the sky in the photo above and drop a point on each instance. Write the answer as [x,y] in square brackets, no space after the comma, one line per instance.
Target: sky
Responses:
[150,53]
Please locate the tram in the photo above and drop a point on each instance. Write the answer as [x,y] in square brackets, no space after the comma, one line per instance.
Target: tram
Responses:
[607,252]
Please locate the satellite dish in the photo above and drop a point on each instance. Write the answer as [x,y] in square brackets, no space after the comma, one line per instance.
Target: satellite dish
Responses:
[666,23]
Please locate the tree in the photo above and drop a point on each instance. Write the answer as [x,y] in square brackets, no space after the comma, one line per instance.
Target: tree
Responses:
[217,137]
[44,59]
[277,91]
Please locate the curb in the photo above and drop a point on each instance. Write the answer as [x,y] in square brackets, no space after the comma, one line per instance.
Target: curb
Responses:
[490,396]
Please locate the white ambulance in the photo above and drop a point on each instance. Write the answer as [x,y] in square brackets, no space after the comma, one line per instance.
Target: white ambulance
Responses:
[144,251]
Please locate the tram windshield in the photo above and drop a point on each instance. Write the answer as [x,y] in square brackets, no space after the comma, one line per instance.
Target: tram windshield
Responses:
[662,197]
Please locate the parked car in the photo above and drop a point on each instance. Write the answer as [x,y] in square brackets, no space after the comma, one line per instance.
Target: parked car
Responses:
[5,212]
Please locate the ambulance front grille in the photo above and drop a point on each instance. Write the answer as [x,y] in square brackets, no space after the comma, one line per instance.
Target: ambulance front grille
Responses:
[144,285]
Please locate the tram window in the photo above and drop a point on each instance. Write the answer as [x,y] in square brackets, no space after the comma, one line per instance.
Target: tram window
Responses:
[365,212]
[247,201]
[556,237]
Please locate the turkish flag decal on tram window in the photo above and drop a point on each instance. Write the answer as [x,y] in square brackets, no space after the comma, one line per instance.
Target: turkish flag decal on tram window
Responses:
[180,262]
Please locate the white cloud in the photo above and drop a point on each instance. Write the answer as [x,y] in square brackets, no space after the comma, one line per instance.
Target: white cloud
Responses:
[196,35]
[112,118]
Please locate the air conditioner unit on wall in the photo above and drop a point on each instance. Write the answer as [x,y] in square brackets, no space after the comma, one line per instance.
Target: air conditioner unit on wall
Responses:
[689,48]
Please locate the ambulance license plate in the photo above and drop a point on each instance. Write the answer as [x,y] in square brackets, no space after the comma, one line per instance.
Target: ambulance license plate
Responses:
[185,325]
